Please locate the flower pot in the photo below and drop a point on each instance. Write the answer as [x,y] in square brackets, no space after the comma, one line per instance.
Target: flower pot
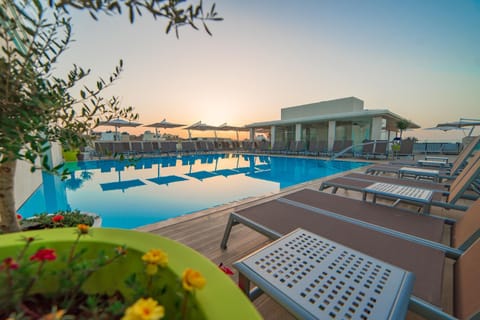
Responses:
[219,299]
[70,155]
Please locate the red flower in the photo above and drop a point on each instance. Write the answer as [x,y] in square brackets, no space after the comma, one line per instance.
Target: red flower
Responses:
[44,255]
[57,218]
[225,269]
[9,264]
[19,217]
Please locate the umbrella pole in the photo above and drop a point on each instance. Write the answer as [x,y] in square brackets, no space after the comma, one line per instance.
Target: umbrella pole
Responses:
[156,133]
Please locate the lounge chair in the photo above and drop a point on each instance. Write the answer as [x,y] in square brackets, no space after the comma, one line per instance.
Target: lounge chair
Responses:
[457,188]
[463,231]
[296,147]
[441,173]
[137,147]
[279,147]
[341,148]
[247,146]
[367,149]
[187,147]
[374,148]
[168,147]
[148,146]
[211,146]
[454,167]
[279,217]
[406,149]
[103,148]
[318,148]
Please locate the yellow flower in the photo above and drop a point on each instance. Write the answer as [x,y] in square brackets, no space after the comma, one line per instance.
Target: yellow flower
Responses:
[192,279]
[144,309]
[156,257]
[83,228]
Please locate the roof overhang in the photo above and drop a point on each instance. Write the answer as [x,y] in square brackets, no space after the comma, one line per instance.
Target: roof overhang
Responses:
[392,119]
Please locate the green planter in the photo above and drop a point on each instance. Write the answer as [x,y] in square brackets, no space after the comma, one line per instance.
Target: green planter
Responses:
[219,299]
[70,155]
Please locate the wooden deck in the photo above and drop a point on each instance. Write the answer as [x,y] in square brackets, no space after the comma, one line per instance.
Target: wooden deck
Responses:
[203,232]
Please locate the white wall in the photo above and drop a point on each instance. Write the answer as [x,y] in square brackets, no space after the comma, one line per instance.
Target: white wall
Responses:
[56,154]
[351,104]
[377,128]
[26,182]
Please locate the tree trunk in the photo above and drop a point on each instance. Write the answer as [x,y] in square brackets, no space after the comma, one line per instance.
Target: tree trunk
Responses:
[8,215]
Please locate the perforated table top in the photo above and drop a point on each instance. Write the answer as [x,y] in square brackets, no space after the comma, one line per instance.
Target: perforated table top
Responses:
[419,170]
[315,278]
[401,191]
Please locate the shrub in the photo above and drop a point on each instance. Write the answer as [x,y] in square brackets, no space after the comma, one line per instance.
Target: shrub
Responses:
[59,219]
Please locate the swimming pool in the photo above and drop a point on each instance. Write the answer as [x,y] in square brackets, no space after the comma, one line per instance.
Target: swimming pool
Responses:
[131,194]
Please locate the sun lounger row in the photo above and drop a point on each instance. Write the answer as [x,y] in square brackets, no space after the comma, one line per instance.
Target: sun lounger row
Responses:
[445,195]
[341,148]
[104,148]
[398,236]
[433,166]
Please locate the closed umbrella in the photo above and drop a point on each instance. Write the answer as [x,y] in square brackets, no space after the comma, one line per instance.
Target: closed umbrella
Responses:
[163,124]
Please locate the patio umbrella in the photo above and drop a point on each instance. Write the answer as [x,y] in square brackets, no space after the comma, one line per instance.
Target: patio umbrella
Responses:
[461,124]
[226,127]
[201,127]
[163,124]
[119,123]
[444,128]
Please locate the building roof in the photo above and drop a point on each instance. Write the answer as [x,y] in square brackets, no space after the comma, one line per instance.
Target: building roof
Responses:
[391,117]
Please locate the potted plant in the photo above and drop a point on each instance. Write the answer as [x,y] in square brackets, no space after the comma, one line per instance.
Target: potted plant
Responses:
[60,219]
[112,274]
[70,155]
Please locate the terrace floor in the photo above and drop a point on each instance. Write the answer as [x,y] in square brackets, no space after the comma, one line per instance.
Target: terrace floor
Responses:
[203,231]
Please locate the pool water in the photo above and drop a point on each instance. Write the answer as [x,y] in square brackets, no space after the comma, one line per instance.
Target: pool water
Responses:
[129,194]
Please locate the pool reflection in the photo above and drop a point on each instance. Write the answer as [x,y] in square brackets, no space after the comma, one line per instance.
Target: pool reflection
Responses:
[128,194]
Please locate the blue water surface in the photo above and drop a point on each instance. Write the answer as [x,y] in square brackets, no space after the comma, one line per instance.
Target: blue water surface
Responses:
[129,194]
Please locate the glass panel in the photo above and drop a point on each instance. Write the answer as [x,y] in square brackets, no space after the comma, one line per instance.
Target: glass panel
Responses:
[285,134]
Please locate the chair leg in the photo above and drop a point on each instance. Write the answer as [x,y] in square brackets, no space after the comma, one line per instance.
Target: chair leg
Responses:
[231,222]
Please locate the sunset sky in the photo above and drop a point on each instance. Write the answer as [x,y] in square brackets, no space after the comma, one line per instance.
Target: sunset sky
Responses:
[419,59]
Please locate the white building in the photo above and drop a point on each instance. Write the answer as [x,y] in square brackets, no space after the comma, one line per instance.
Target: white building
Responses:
[339,119]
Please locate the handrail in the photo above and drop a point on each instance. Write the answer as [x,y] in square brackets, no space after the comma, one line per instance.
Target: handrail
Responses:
[336,155]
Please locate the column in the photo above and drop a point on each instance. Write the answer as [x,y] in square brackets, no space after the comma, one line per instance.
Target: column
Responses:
[377,128]
[298,132]
[331,133]
[252,134]
[272,135]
